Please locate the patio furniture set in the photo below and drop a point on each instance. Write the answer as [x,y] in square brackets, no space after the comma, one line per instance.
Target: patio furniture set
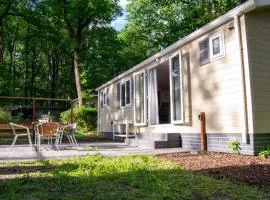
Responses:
[51,131]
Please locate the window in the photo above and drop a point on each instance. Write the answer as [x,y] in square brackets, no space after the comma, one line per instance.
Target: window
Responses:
[128,91]
[204,52]
[118,95]
[104,98]
[212,48]
[216,43]
[125,93]
[101,98]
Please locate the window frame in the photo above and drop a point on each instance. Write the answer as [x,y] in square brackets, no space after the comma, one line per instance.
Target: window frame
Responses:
[104,97]
[124,82]
[221,54]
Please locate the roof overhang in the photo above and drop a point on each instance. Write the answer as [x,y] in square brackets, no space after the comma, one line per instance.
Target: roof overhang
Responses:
[239,10]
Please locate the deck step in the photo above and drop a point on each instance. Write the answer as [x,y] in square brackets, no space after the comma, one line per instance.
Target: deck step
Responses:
[155,141]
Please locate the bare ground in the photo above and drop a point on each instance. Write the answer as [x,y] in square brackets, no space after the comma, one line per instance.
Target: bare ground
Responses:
[252,170]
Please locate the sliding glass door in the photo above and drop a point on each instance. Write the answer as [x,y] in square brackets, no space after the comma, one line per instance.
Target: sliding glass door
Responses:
[176,90]
[140,98]
[153,115]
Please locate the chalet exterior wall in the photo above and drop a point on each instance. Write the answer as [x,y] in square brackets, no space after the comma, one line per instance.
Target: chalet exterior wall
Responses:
[258,39]
[258,29]
[216,89]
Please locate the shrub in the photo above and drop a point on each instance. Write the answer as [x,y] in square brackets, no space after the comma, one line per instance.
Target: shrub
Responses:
[265,152]
[6,117]
[85,117]
[234,146]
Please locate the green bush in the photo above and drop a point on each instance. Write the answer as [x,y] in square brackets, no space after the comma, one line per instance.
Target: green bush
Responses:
[85,117]
[265,152]
[5,117]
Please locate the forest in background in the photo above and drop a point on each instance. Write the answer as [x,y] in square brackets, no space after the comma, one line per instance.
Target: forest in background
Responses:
[67,48]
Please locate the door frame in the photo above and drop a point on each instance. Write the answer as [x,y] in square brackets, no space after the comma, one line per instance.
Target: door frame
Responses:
[181,121]
[148,107]
[144,123]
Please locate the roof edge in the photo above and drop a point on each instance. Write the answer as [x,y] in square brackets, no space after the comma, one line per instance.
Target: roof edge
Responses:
[243,8]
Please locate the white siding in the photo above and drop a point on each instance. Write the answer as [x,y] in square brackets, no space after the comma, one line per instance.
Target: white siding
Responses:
[258,35]
[110,113]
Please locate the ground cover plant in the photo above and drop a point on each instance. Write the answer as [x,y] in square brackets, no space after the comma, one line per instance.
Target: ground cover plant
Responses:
[128,177]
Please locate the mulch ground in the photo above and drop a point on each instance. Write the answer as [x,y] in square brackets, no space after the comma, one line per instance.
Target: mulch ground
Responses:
[252,170]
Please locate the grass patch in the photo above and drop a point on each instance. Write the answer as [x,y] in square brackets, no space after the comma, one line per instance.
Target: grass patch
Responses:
[129,177]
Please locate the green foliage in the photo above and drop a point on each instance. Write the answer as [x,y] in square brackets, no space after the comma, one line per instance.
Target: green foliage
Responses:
[38,38]
[234,146]
[265,152]
[155,24]
[85,117]
[6,117]
[125,177]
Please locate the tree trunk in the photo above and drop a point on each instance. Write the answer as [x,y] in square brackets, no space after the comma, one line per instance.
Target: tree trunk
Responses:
[10,71]
[12,68]
[25,76]
[14,72]
[33,74]
[77,74]
[1,41]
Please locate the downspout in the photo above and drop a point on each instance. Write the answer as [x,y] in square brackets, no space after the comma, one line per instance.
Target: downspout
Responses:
[98,113]
[243,80]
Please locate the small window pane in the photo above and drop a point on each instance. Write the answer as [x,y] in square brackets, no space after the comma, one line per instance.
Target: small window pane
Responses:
[128,92]
[216,46]
[118,95]
[104,97]
[101,99]
[123,94]
[204,52]
[107,94]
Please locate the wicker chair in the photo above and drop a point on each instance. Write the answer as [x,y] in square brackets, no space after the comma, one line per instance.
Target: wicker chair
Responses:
[47,130]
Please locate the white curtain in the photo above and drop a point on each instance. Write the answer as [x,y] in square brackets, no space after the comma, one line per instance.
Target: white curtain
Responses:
[153,97]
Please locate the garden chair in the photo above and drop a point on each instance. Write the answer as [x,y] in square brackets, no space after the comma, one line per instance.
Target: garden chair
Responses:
[17,134]
[68,131]
[47,130]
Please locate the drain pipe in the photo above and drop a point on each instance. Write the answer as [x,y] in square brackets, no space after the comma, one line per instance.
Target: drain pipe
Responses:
[243,80]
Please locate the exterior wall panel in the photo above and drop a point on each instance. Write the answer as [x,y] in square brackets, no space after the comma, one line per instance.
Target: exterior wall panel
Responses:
[258,38]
